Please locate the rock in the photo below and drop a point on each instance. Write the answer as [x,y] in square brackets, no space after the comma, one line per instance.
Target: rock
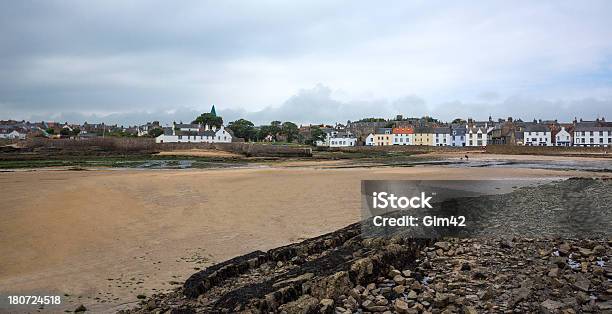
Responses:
[151,305]
[599,249]
[399,280]
[81,308]
[381,300]
[394,273]
[442,245]
[351,303]
[506,244]
[399,289]
[340,309]
[559,261]
[605,306]
[326,306]
[582,283]
[470,310]
[303,305]
[401,306]
[332,286]
[520,294]
[465,266]
[441,300]
[553,272]
[582,297]
[412,295]
[585,252]
[407,273]
[564,249]
[550,306]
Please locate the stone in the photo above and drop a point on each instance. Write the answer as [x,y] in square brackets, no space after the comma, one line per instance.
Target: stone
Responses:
[399,280]
[469,310]
[442,245]
[80,308]
[585,252]
[599,249]
[564,249]
[381,300]
[401,306]
[399,289]
[441,300]
[550,306]
[412,295]
[553,272]
[326,306]
[394,273]
[407,273]
[582,283]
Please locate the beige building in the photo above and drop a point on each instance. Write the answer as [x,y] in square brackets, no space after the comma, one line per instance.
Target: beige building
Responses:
[424,136]
[383,137]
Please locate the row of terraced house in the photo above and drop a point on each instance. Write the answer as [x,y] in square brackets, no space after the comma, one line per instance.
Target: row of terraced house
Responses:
[472,133]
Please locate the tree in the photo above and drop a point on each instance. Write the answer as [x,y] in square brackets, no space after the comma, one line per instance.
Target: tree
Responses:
[209,119]
[290,130]
[372,120]
[65,132]
[76,131]
[458,121]
[244,129]
[155,132]
[316,134]
[50,131]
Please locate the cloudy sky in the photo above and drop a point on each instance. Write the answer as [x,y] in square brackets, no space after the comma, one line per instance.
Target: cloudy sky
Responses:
[310,61]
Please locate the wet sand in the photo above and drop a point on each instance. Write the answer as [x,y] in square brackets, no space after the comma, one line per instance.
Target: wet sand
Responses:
[114,234]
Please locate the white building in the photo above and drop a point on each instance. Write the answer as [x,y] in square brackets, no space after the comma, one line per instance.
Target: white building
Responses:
[476,136]
[403,136]
[336,138]
[143,130]
[537,135]
[369,140]
[12,134]
[442,137]
[563,138]
[194,133]
[593,136]
[458,136]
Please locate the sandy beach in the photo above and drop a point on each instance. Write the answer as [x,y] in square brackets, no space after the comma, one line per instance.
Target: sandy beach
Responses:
[103,237]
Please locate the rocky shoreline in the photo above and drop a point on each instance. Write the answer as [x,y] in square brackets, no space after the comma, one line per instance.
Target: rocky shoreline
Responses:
[342,272]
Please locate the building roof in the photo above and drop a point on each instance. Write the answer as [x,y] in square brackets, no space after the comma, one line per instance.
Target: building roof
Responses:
[423,130]
[442,130]
[536,127]
[384,130]
[402,131]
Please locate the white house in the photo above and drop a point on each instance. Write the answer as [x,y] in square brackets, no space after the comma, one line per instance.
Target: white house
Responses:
[593,136]
[442,137]
[403,136]
[537,135]
[336,138]
[476,136]
[369,140]
[194,133]
[458,136]
[563,138]
[12,133]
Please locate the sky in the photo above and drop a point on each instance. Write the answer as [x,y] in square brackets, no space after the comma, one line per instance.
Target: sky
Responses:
[130,62]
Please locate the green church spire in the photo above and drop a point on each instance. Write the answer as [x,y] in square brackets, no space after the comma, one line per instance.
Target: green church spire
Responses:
[213,111]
